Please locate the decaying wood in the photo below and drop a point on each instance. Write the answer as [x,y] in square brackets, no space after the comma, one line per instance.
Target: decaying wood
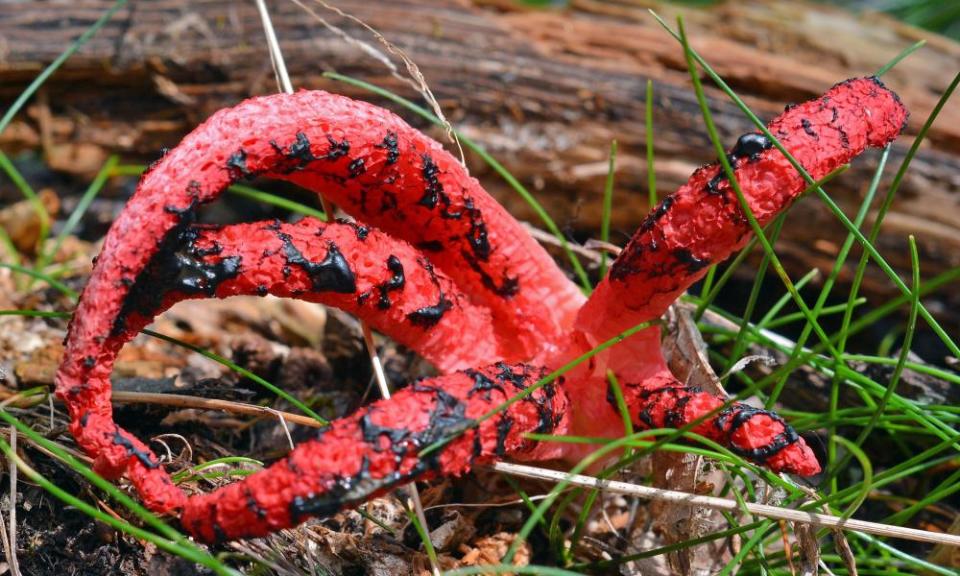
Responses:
[545,91]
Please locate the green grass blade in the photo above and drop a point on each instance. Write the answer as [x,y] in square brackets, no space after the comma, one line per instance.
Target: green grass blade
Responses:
[592,495]
[549,378]
[746,548]
[838,213]
[35,313]
[888,202]
[36,274]
[714,290]
[239,190]
[585,510]
[740,343]
[948,487]
[927,369]
[923,565]
[772,313]
[862,383]
[115,493]
[239,370]
[597,567]
[511,569]
[128,170]
[744,205]
[11,255]
[868,319]
[896,59]
[596,456]
[866,485]
[621,402]
[787,319]
[196,471]
[95,187]
[837,268]
[904,353]
[202,351]
[178,545]
[278,201]
[424,536]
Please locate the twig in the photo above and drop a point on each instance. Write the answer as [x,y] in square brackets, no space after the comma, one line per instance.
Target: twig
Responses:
[601,246]
[276,56]
[12,556]
[283,77]
[548,238]
[416,80]
[712,502]
[3,538]
[286,429]
[184,401]
[410,488]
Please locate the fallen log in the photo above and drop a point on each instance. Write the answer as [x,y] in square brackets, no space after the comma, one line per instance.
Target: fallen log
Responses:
[544,90]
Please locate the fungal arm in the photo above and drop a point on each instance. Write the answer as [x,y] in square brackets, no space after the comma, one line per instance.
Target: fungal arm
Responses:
[702,223]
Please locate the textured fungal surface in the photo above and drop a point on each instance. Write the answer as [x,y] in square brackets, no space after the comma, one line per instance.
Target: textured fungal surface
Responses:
[376,277]
[758,435]
[702,223]
[435,263]
[378,448]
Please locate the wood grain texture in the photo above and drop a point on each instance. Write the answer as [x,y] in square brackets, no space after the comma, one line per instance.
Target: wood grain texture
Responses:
[544,91]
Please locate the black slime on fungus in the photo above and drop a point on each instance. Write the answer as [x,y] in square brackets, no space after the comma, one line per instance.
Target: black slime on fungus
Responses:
[447,418]
[431,181]
[237,165]
[337,149]
[692,263]
[483,383]
[750,146]
[479,240]
[396,282]
[508,286]
[298,155]
[177,266]
[356,167]
[390,144]
[738,415]
[332,274]
[120,440]
[430,316]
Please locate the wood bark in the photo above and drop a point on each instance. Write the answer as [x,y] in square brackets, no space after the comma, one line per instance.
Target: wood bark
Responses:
[544,90]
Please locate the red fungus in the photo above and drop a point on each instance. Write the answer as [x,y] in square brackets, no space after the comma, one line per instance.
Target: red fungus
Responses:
[494,295]
[381,280]
[377,448]
[702,222]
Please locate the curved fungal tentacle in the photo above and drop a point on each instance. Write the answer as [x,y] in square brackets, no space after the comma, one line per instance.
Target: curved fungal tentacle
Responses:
[702,223]
[656,399]
[358,154]
[378,168]
[495,295]
[378,448]
[758,435]
[116,452]
[383,281]
[372,164]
